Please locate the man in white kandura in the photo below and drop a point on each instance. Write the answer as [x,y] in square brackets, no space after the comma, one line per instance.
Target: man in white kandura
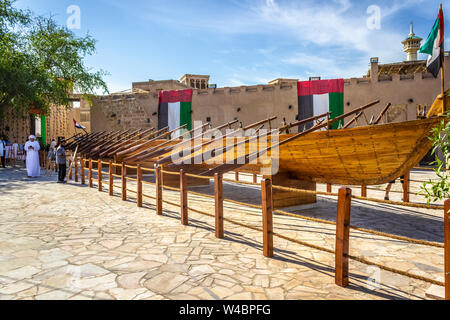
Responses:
[32,148]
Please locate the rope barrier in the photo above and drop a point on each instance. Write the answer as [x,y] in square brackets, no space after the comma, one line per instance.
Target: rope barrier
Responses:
[149,183]
[198,177]
[117,186]
[171,173]
[148,169]
[374,232]
[130,167]
[403,273]
[106,173]
[170,188]
[94,170]
[132,179]
[116,175]
[399,203]
[132,191]
[242,182]
[148,196]
[116,164]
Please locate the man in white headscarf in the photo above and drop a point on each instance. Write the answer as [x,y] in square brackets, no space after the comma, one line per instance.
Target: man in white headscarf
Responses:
[32,148]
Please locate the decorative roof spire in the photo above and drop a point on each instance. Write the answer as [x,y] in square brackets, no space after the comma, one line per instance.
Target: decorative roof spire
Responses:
[411,33]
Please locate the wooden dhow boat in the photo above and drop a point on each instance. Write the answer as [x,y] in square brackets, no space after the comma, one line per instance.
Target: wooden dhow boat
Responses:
[367,155]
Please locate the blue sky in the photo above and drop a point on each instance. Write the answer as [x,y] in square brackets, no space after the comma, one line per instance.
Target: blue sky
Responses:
[241,42]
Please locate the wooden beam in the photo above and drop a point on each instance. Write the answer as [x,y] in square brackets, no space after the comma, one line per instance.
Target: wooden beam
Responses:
[158,178]
[380,116]
[218,195]
[364,191]
[111,178]
[406,187]
[83,181]
[139,185]
[447,248]
[124,182]
[90,173]
[183,198]
[266,197]
[76,169]
[342,236]
[100,175]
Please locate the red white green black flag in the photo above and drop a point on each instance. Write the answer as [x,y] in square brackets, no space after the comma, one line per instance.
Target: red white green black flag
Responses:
[434,45]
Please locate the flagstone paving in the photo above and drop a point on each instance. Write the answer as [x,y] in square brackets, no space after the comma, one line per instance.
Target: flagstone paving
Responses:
[67,241]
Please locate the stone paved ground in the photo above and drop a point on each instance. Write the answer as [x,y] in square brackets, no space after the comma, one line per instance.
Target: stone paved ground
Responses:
[71,242]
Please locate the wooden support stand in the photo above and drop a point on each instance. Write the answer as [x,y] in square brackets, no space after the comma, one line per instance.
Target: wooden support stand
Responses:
[83,181]
[283,199]
[158,179]
[139,186]
[236,175]
[266,200]
[124,182]
[364,191]
[111,178]
[447,248]
[329,189]
[100,175]
[183,198]
[406,187]
[218,194]
[342,236]
[255,178]
[69,175]
[90,174]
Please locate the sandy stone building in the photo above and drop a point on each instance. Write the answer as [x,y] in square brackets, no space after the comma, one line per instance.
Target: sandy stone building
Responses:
[406,85]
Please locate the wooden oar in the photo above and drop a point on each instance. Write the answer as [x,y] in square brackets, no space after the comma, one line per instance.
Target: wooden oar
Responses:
[110,144]
[104,153]
[161,149]
[148,143]
[128,143]
[380,116]
[304,121]
[242,161]
[193,149]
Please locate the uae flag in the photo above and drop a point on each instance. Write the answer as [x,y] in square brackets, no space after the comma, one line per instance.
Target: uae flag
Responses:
[434,46]
[174,109]
[320,96]
[78,125]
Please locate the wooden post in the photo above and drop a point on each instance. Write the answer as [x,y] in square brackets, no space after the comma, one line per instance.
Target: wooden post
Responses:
[139,185]
[406,187]
[342,236]
[76,169]
[100,175]
[266,200]
[83,181]
[69,175]
[158,179]
[111,179]
[236,175]
[255,178]
[364,191]
[329,187]
[447,248]
[124,182]
[218,194]
[183,198]
[90,173]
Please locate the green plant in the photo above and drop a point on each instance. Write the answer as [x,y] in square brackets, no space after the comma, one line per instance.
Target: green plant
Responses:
[440,189]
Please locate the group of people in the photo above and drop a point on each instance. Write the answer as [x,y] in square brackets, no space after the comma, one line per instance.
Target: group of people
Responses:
[8,150]
[57,153]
